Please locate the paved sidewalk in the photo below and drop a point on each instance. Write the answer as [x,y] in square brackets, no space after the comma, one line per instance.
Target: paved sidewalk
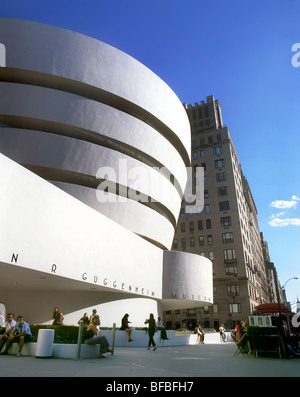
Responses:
[211,360]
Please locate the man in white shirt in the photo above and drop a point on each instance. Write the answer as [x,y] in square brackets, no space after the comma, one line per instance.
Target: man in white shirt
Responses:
[160,327]
[21,333]
[7,329]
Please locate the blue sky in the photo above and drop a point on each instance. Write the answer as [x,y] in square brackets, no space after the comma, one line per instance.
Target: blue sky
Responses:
[238,51]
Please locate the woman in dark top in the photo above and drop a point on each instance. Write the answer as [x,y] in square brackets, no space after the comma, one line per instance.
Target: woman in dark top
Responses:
[57,316]
[85,319]
[125,326]
[92,338]
[151,331]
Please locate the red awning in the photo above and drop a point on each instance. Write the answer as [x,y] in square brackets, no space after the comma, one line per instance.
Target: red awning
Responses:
[272,308]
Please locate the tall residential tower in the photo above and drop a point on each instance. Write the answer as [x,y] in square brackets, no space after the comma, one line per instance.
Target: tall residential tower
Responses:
[226,230]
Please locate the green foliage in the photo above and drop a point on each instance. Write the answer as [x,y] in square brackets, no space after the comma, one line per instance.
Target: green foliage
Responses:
[63,333]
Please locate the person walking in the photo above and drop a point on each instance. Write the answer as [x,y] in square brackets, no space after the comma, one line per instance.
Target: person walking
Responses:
[151,331]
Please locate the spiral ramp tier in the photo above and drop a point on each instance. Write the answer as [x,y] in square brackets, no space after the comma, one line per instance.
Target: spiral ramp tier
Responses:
[98,125]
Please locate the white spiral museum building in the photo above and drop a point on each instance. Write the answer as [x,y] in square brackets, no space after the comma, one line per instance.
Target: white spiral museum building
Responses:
[94,150]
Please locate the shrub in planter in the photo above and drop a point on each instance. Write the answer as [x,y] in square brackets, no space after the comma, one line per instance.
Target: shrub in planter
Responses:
[63,333]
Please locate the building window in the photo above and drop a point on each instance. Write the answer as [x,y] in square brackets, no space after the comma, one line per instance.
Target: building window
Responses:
[182,212]
[224,206]
[219,163]
[233,290]
[182,227]
[208,223]
[200,225]
[191,311]
[205,193]
[222,191]
[191,227]
[195,156]
[221,177]
[231,271]
[235,308]
[218,150]
[175,244]
[215,309]
[192,241]
[205,310]
[202,154]
[211,255]
[229,254]
[226,221]
[205,180]
[227,237]
[210,240]
[168,325]
[183,243]
[207,208]
[219,138]
[177,311]
[201,240]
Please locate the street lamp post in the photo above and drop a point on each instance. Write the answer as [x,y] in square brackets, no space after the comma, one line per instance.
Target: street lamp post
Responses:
[284,286]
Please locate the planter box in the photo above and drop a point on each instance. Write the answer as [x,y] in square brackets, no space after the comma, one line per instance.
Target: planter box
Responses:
[140,339]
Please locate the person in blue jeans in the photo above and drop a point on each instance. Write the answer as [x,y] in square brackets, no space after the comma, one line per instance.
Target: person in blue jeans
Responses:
[92,337]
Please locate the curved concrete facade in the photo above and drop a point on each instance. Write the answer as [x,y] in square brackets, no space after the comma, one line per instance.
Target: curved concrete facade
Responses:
[87,91]
[103,128]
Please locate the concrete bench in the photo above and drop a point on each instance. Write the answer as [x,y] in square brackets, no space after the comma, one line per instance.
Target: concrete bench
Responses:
[140,339]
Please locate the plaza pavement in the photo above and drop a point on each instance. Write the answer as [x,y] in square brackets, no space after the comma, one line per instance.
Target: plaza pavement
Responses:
[208,360]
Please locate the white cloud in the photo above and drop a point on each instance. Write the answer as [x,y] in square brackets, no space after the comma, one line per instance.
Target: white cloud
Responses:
[276,222]
[276,215]
[295,198]
[283,203]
